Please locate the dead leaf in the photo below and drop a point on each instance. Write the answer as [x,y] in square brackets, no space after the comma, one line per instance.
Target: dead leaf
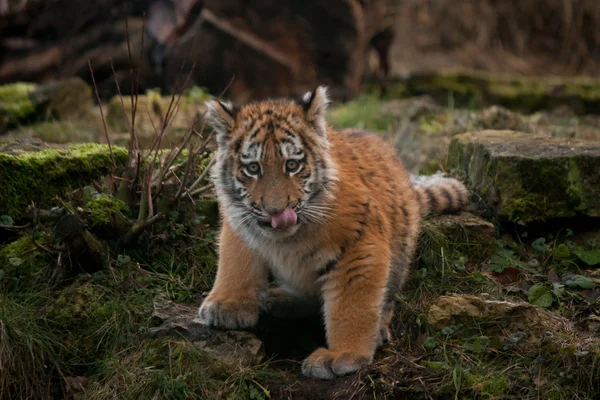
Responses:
[77,383]
[540,381]
[553,276]
[590,295]
[508,276]
[593,273]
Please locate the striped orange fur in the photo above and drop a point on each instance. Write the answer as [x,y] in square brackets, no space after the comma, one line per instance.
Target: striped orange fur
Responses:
[358,218]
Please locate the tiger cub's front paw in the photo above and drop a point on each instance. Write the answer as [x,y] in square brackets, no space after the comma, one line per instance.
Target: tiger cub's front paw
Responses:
[325,364]
[229,313]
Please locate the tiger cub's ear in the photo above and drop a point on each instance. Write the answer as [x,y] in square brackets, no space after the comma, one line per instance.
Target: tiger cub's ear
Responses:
[315,104]
[220,116]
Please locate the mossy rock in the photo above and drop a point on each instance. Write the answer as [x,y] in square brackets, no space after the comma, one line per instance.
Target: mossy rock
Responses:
[526,177]
[478,88]
[39,176]
[23,102]
[15,104]
[151,111]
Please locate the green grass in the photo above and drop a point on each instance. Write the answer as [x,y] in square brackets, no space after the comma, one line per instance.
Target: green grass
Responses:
[29,348]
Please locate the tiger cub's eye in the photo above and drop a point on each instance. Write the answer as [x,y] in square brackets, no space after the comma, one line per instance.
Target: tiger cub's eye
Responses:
[253,168]
[292,166]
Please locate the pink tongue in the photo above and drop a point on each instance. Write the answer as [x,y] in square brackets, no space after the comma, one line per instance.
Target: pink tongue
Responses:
[285,219]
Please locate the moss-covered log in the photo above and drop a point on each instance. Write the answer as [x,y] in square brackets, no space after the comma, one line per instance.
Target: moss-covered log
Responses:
[526,94]
[40,176]
[527,177]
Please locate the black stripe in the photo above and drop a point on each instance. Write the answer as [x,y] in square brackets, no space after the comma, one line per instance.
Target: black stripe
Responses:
[331,264]
[289,133]
[252,124]
[404,212]
[360,258]
[380,224]
[355,277]
[231,112]
[433,203]
[358,234]
[254,133]
[446,193]
[238,145]
[306,105]
[305,144]
[356,267]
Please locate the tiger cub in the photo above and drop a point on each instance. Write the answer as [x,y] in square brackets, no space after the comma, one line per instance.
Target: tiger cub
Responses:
[331,213]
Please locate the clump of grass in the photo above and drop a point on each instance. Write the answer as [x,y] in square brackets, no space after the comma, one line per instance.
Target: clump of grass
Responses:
[174,369]
[29,347]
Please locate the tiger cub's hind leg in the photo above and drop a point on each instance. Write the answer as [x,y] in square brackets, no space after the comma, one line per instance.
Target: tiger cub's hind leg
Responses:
[399,272]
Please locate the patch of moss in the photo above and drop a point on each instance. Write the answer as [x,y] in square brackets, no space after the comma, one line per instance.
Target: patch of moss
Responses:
[78,305]
[104,209]
[39,177]
[362,113]
[14,100]
[24,265]
[485,385]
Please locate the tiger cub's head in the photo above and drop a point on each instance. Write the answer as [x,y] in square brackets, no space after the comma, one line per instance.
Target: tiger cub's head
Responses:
[273,173]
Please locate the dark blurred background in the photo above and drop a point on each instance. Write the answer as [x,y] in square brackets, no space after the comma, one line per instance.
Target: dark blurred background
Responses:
[276,47]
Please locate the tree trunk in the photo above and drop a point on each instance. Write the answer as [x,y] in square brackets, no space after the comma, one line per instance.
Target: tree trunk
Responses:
[279,48]
[264,48]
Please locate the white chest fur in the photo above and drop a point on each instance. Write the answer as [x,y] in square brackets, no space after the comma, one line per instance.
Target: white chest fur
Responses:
[295,264]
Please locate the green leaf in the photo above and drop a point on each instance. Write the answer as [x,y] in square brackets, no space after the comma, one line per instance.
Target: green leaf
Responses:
[558,289]
[562,251]
[590,257]
[430,342]
[15,262]
[436,365]
[497,263]
[6,220]
[539,295]
[579,281]
[539,245]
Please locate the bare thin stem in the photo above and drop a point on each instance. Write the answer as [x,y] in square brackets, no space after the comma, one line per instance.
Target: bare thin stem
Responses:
[188,171]
[227,87]
[123,108]
[112,156]
[203,174]
[201,190]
